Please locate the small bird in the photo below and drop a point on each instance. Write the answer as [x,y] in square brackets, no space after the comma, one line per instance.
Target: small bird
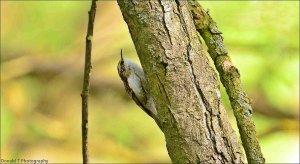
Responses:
[136,86]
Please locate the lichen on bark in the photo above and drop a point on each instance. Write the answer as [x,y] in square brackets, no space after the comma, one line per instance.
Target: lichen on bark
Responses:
[230,78]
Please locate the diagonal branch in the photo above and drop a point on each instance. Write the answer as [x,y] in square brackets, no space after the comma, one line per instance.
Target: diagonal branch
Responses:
[86,82]
[184,87]
[230,78]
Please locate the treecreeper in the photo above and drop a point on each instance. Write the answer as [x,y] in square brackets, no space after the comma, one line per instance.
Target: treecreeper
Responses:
[136,86]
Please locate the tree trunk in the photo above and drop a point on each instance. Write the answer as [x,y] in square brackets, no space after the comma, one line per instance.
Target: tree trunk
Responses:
[184,86]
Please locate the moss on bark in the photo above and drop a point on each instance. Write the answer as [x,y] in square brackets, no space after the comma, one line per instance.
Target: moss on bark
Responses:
[230,78]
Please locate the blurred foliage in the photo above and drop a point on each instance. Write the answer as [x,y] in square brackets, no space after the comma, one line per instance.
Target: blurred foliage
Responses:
[42,55]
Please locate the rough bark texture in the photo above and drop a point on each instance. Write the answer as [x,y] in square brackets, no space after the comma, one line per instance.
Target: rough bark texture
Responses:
[230,78]
[183,84]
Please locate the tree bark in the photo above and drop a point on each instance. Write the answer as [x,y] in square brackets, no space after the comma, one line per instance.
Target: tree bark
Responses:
[230,78]
[184,86]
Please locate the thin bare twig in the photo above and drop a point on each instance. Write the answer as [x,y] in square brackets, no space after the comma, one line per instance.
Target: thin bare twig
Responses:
[86,82]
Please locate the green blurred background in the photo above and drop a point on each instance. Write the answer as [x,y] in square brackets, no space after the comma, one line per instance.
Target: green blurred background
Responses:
[42,56]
